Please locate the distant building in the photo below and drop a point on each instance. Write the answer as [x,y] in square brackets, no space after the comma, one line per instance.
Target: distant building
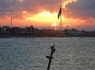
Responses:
[29,29]
[5,29]
[37,31]
[73,32]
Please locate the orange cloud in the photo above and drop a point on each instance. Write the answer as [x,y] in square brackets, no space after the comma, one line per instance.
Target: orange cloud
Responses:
[46,18]
[42,17]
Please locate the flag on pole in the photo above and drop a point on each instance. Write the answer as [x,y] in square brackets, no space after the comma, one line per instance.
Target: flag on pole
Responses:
[59,14]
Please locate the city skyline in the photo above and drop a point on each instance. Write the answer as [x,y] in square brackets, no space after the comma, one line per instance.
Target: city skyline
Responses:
[77,14]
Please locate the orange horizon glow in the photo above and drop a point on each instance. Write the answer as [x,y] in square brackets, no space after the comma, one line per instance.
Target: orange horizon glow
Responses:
[42,15]
[44,18]
[48,18]
[54,24]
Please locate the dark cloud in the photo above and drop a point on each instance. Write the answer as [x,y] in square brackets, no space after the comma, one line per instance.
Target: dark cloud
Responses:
[82,9]
[16,7]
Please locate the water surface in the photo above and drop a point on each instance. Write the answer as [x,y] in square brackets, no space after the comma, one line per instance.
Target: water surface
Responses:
[72,53]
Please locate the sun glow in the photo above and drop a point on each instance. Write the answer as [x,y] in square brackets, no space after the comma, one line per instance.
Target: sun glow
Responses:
[67,25]
[54,24]
[44,16]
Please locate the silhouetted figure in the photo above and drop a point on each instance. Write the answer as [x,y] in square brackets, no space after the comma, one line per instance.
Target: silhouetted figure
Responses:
[52,47]
[48,57]
[51,56]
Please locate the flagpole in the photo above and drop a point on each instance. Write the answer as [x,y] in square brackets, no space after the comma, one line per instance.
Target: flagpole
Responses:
[60,17]
[11,14]
[61,20]
[11,22]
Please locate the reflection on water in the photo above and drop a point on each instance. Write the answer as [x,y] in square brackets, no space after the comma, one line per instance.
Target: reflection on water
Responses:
[30,53]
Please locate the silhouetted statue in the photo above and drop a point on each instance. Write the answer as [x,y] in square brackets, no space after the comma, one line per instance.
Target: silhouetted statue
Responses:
[51,56]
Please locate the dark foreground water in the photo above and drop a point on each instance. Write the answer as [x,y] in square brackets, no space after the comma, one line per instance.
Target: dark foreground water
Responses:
[72,53]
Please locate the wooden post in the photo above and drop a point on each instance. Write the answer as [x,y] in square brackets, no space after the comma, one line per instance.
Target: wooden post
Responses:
[50,57]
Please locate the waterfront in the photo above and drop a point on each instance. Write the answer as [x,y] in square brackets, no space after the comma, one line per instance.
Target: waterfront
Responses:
[72,53]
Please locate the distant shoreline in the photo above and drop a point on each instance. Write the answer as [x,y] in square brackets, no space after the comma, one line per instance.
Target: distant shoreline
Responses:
[7,32]
[11,36]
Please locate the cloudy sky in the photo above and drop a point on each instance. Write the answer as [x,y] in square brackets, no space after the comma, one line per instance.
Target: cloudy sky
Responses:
[79,14]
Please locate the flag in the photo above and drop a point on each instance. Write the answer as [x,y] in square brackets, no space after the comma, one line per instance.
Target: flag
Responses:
[59,14]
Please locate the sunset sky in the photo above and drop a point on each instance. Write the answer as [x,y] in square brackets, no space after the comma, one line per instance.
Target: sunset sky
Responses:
[79,14]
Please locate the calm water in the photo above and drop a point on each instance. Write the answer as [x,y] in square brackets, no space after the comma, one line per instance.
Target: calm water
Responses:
[30,53]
